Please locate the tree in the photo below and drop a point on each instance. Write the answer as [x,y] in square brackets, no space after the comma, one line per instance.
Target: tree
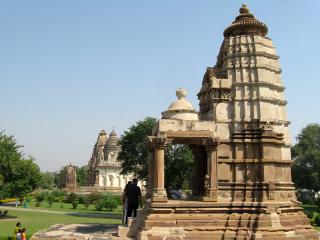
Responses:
[178,166]
[134,152]
[82,175]
[20,175]
[306,156]
[134,155]
[60,177]
[47,180]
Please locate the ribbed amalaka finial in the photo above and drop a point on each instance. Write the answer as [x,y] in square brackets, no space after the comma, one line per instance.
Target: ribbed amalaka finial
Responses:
[246,24]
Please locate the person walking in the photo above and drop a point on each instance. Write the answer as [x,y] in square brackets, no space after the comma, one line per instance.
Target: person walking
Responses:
[125,203]
[133,194]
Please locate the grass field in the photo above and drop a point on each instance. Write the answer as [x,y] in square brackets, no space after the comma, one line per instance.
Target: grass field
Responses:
[67,207]
[35,221]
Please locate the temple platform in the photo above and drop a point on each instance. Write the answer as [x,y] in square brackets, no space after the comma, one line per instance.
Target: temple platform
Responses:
[178,219]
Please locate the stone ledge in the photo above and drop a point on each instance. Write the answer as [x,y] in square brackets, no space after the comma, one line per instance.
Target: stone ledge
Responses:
[79,232]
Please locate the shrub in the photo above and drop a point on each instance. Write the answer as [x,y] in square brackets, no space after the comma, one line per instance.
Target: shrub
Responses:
[118,198]
[50,199]
[40,197]
[94,197]
[57,194]
[59,199]
[71,197]
[309,214]
[81,199]
[110,202]
[317,220]
[61,203]
[75,204]
[86,201]
[99,205]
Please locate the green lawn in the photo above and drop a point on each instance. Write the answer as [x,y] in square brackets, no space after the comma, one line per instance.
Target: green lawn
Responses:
[67,207]
[35,221]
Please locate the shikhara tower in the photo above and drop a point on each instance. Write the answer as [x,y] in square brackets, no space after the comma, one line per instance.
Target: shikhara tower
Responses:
[242,186]
[243,95]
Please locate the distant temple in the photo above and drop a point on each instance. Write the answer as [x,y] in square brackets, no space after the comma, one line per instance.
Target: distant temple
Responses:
[71,177]
[104,168]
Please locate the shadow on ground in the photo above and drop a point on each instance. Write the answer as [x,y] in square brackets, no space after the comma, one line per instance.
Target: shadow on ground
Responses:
[94,215]
[96,228]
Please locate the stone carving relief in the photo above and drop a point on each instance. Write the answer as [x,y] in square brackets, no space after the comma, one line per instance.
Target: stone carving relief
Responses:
[206,185]
[271,188]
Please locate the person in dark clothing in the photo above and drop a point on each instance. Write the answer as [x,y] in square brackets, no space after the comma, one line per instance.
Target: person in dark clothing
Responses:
[133,194]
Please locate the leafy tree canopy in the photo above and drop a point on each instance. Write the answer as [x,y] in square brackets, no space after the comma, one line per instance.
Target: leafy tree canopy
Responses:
[47,180]
[306,156]
[82,175]
[19,175]
[134,152]
[60,177]
[134,155]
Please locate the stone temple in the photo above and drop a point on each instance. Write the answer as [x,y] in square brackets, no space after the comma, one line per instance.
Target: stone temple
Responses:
[104,167]
[242,186]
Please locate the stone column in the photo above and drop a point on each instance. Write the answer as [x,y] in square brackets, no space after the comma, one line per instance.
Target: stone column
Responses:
[150,173]
[211,178]
[159,193]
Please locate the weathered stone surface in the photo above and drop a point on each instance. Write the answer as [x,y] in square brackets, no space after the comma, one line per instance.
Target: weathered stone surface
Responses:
[78,232]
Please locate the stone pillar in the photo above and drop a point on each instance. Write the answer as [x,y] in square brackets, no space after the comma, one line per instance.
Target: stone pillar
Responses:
[211,178]
[150,173]
[159,193]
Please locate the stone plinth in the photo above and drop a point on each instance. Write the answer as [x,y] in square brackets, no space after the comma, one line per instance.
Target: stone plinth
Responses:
[78,232]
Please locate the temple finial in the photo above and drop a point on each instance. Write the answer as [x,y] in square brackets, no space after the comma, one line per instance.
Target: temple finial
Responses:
[244,9]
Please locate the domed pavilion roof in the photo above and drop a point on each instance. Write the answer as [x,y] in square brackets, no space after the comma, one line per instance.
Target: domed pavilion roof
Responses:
[180,109]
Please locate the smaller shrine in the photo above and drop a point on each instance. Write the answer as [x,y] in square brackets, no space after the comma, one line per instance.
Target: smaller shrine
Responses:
[104,168]
[71,178]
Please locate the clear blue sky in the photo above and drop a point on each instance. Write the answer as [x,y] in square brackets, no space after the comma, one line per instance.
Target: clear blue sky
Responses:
[71,68]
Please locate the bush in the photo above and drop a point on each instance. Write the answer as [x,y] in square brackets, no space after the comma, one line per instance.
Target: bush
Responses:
[72,197]
[86,201]
[81,199]
[50,199]
[40,197]
[75,204]
[309,214]
[110,202]
[94,197]
[99,205]
[59,199]
[318,204]
[317,220]
[57,194]
[118,198]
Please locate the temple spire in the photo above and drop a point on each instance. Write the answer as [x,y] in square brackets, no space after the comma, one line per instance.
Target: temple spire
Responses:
[245,24]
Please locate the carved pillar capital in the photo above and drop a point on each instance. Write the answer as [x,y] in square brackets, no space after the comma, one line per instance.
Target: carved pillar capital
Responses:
[210,143]
[159,142]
